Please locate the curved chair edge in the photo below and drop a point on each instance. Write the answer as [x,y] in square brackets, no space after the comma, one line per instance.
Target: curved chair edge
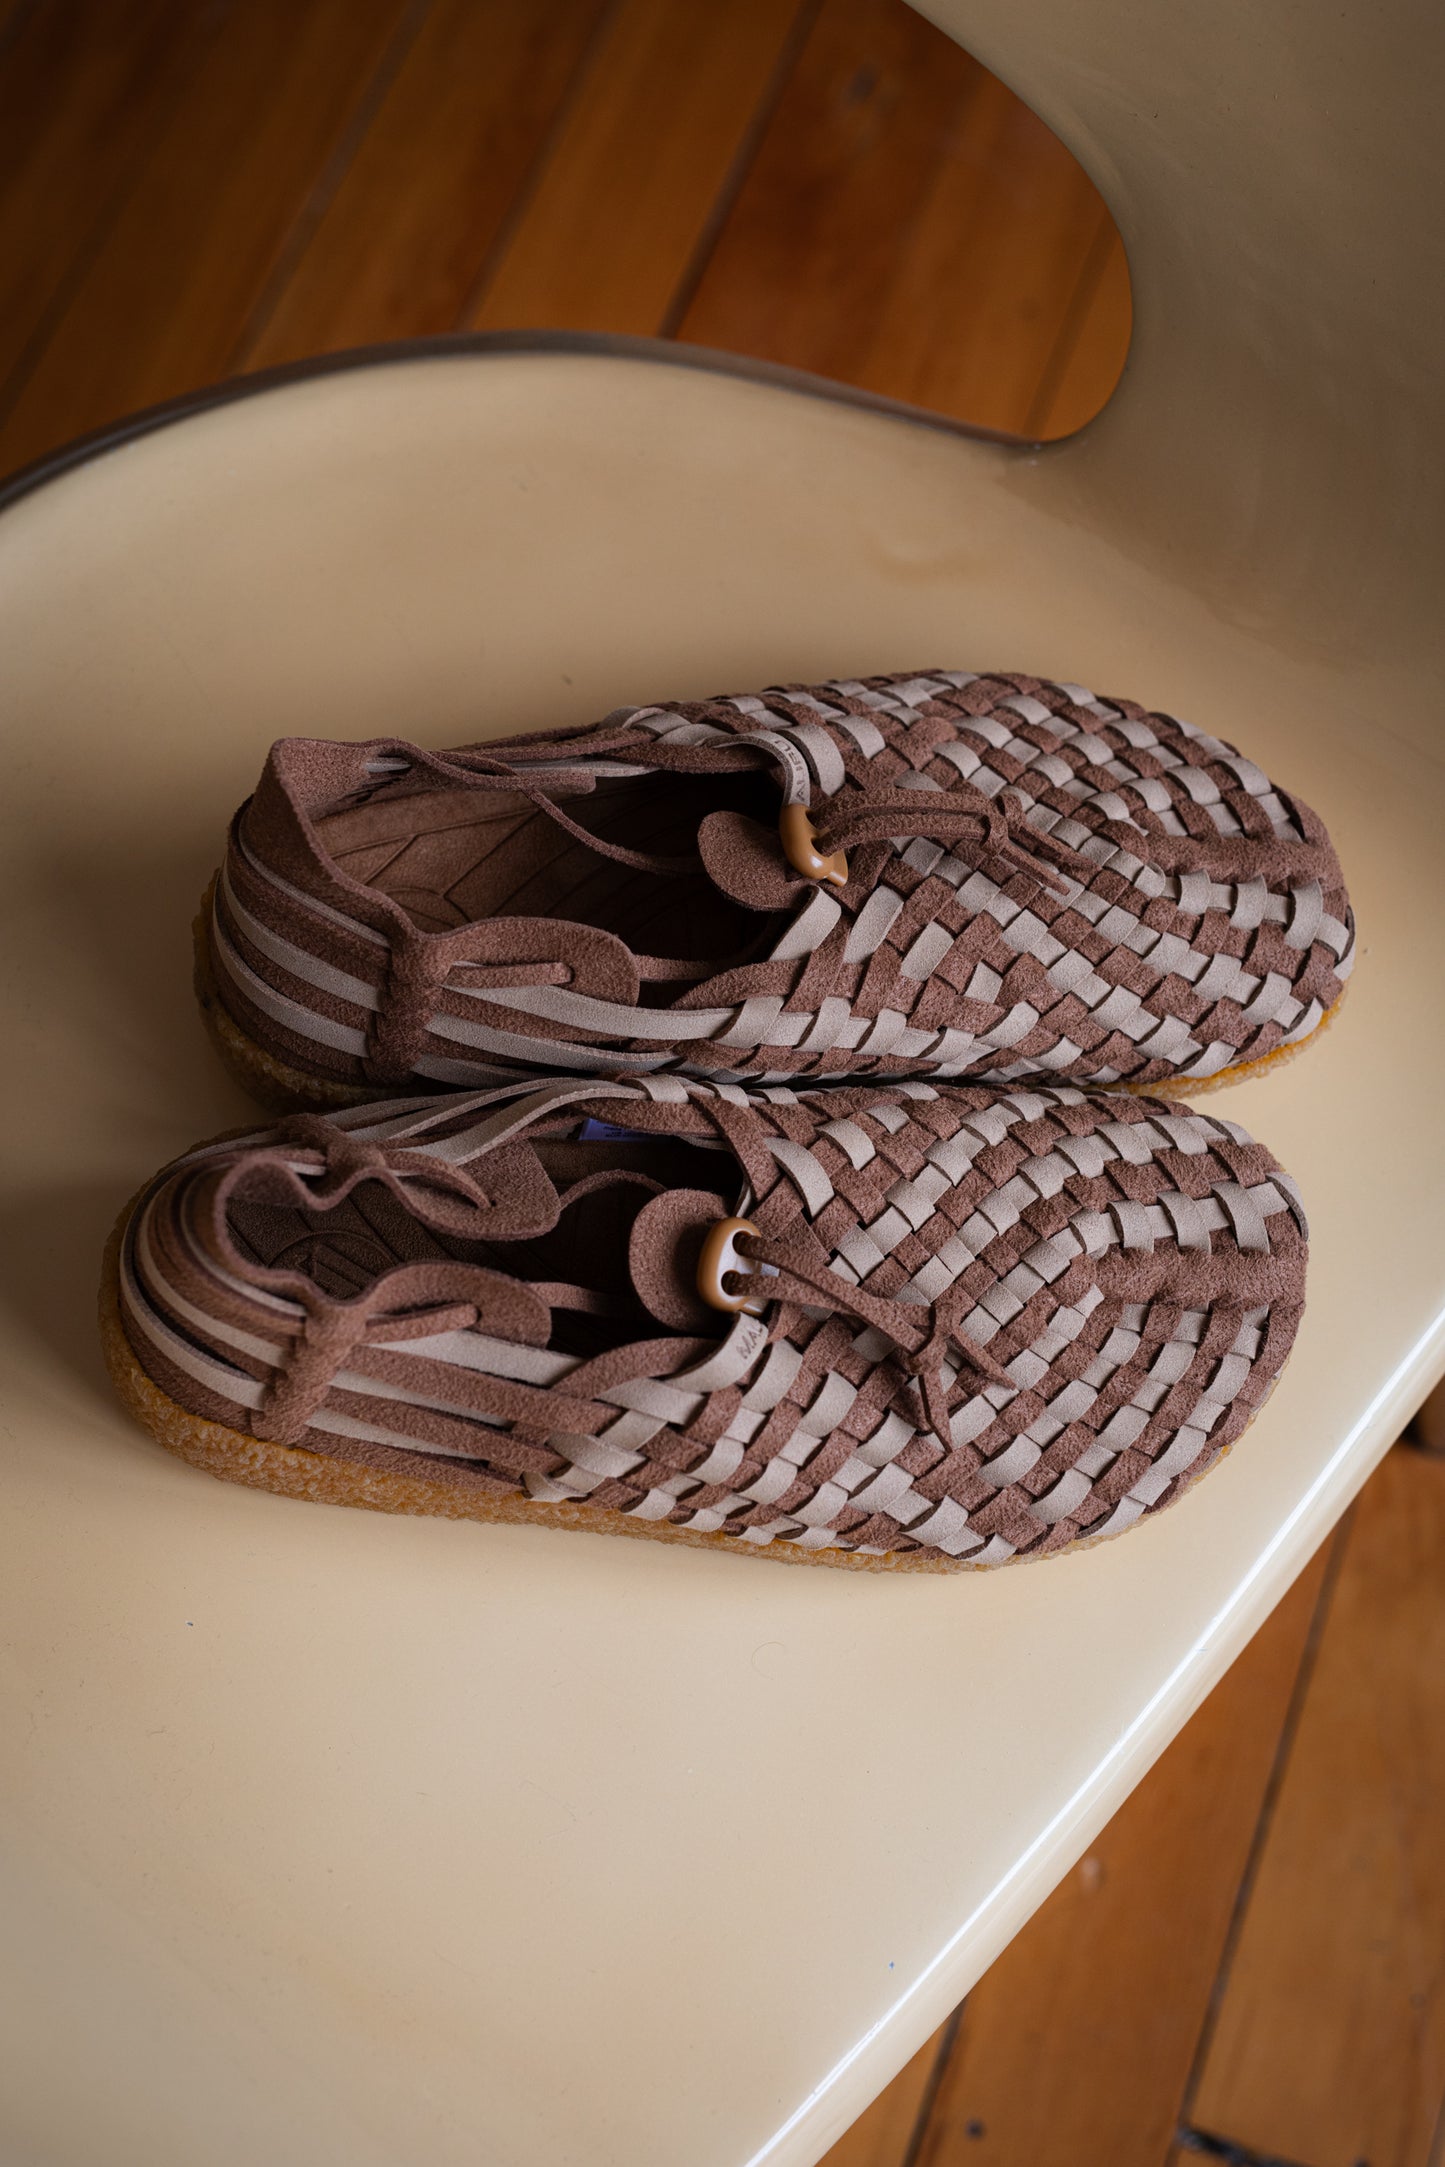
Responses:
[605,345]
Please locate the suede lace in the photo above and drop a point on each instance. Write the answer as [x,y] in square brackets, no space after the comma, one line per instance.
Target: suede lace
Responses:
[447,1195]
[992,831]
[924,1338]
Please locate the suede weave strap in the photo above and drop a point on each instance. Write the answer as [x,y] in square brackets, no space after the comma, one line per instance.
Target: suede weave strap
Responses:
[1041,883]
[1004,1319]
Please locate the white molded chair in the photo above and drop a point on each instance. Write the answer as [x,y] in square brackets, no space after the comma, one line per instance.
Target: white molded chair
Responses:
[337,1837]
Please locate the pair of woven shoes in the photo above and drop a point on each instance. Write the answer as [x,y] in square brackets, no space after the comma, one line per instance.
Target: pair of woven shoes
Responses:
[592,1236]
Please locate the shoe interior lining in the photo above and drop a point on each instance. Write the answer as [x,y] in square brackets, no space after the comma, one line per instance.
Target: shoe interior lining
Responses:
[451,857]
[346,1248]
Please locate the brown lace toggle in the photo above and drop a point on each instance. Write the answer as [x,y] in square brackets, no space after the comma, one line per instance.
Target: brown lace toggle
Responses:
[800,848]
[721,1261]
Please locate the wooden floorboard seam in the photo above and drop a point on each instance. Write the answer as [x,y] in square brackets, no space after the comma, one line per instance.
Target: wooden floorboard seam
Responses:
[1329,2042]
[1202,2143]
[32,353]
[1056,368]
[507,231]
[1289,1729]
[319,198]
[1437,2147]
[695,270]
[947,2037]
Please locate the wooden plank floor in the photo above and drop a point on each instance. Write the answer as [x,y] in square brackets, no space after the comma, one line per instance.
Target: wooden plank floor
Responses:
[1329,2043]
[1248,1964]
[192,188]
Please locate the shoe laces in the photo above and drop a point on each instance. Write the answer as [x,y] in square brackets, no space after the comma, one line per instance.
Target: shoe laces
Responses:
[992,832]
[925,1337]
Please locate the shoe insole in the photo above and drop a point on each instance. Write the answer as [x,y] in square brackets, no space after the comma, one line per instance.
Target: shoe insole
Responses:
[450,857]
[346,1248]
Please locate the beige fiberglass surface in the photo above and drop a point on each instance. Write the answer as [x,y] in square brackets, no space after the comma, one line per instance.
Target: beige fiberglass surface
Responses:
[333,1837]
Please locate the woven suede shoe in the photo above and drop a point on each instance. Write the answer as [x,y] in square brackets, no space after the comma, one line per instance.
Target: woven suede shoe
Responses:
[885,1326]
[938,875]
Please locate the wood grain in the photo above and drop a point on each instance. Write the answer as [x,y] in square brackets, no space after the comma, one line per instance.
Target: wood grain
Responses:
[166,296]
[885,2131]
[980,293]
[844,167]
[910,227]
[189,186]
[630,182]
[1088,360]
[83,86]
[405,240]
[1075,2049]
[1330,2041]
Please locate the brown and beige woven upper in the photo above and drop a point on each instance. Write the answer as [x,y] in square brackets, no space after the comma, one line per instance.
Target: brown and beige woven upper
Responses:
[1007,878]
[991,1322]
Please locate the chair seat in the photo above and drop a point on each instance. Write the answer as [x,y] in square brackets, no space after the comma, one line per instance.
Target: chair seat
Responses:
[418,1840]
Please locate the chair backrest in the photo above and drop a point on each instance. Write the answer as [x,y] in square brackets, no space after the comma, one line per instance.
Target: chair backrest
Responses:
[1276,171]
